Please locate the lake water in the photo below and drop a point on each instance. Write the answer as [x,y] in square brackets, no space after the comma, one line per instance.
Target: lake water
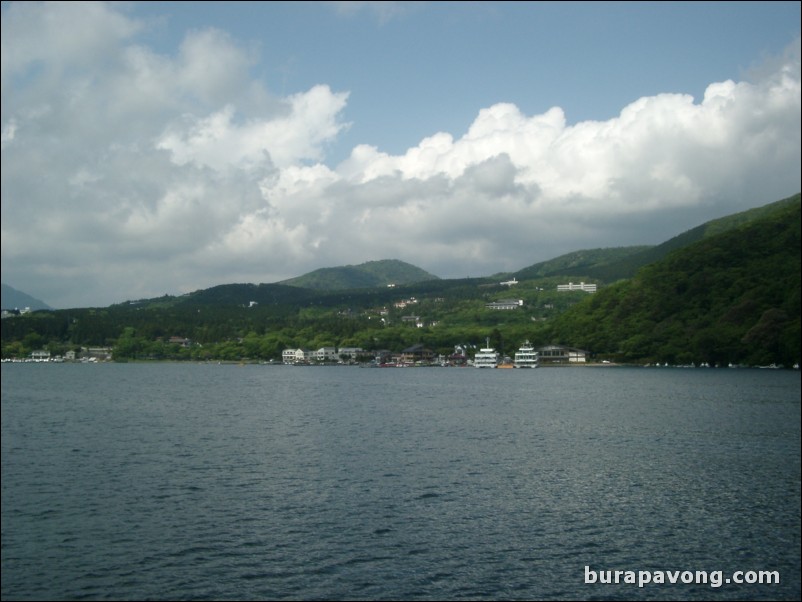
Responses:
[183,481]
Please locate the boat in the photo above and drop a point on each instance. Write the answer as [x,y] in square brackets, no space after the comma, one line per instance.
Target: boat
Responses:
[526,357]
[486,357]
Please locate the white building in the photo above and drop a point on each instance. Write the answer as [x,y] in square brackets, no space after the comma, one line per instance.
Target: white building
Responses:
[588,288]
[295,356]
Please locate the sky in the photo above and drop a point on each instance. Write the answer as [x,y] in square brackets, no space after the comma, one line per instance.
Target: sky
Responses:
[153,148]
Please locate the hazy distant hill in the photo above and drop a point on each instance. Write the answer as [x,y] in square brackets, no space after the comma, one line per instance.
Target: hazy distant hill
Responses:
[364,275]
[14,299]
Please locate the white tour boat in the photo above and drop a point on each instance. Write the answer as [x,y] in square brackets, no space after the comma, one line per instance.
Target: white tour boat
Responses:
[526,357]
[486,357]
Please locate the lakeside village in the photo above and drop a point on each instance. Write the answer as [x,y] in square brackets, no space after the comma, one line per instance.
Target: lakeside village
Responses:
[414,356]
[417,355]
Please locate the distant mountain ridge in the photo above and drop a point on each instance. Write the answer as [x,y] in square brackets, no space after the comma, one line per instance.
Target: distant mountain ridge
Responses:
[579,262]
[365,275]
[605,265]
[14,299]
[608,265]
[727,292]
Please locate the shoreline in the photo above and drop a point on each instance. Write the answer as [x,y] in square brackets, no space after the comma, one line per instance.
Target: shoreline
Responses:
[247,362]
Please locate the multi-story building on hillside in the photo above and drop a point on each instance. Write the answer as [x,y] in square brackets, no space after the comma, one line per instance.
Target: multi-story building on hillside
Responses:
[588,288]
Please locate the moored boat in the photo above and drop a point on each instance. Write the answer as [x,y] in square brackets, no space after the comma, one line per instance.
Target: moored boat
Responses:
[526,357]
[486,357]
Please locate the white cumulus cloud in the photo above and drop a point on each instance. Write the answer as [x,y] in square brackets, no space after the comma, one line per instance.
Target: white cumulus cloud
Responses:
[130,173]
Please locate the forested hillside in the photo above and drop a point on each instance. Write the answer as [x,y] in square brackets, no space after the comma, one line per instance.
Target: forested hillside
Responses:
[728,298]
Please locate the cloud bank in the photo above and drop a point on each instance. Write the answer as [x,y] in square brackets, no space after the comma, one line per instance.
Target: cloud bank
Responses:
[127,173]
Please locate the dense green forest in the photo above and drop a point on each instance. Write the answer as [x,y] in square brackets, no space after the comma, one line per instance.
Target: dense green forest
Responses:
[727,292]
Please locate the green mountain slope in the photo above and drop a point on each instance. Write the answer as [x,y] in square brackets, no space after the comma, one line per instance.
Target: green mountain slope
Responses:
[612,264]
[730,297]
[364,275]
[627,267]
